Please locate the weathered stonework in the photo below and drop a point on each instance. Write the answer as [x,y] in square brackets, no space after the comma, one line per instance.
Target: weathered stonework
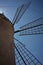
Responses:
[7,56]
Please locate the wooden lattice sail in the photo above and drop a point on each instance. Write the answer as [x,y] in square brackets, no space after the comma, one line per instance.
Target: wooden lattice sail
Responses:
[23,56]
[6,42]
[10,52]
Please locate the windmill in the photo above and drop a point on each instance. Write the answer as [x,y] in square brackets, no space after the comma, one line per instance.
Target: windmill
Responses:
[12,53]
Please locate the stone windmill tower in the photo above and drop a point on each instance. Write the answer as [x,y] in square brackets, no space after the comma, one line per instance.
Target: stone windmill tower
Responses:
[17,54]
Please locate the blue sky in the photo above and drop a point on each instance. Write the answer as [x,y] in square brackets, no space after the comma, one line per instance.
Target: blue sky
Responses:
[34,42]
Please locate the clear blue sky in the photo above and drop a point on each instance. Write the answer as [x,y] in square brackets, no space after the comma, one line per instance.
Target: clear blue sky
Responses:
[35,42]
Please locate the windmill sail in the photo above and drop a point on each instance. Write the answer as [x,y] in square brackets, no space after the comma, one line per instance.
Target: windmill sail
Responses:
[35,27]
[20,11]
[24,56]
